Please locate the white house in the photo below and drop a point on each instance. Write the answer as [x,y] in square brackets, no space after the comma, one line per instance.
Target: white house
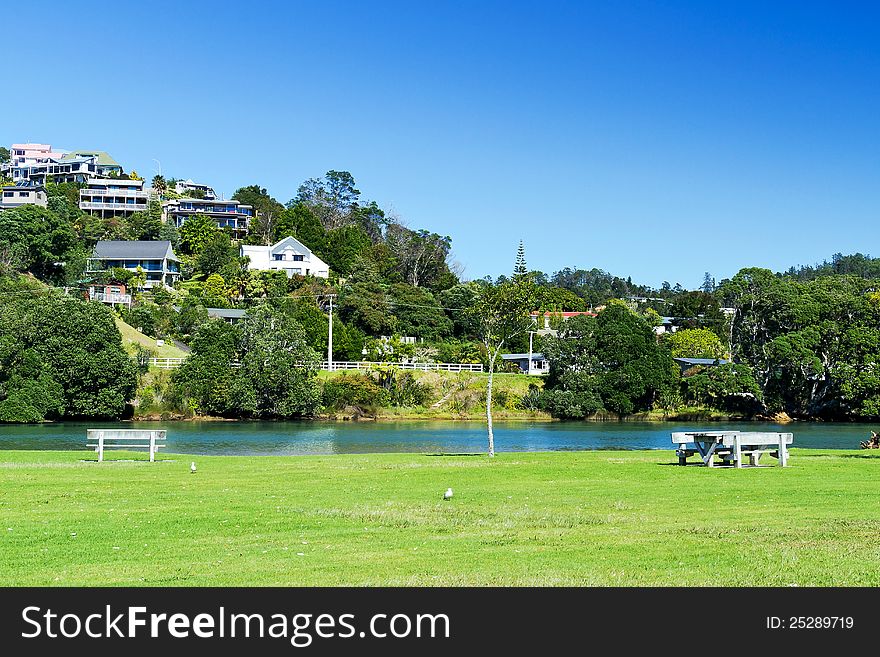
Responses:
[289,255]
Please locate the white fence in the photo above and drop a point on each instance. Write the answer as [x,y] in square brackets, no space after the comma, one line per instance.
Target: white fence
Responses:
[173,363]
[426,367]
[166,363]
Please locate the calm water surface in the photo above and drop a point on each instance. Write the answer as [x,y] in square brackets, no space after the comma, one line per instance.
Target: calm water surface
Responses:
[241,438]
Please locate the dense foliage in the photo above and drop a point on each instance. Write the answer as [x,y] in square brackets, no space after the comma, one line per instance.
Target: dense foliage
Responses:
[60,358]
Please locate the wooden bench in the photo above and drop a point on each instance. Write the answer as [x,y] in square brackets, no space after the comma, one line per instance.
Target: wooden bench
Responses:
[101,439]
[731,446]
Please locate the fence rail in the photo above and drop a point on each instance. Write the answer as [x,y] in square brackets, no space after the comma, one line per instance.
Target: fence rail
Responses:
[368,365]
[166,363]
[173,363]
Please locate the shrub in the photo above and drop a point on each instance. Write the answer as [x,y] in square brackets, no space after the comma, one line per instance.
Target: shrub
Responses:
[354,390]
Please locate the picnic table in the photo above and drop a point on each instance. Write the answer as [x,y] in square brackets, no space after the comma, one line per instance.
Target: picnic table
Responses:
[731,446]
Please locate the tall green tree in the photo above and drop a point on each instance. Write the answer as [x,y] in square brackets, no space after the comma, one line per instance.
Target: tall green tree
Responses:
[196,232]
[61,357]
[44,240]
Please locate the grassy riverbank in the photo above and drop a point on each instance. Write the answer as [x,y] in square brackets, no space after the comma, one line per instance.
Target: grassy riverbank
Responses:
[578,518]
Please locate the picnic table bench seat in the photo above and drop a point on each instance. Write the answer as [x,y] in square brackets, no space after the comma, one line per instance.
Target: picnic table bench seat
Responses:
[732,446]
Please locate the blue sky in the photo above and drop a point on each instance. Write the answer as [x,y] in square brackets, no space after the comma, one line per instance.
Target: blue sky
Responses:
[653,139]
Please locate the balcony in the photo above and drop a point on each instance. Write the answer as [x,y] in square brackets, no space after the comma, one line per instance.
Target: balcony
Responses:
[128,207]
[112,298]
[129,193]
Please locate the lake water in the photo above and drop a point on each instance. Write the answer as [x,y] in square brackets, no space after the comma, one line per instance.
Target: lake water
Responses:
[315,437]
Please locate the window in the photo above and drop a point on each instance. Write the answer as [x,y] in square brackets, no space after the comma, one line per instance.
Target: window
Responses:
[278,256]
[8,194]
[297,258]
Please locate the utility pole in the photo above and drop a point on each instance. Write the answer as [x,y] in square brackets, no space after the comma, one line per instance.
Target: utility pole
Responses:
[531,335]
[330,336]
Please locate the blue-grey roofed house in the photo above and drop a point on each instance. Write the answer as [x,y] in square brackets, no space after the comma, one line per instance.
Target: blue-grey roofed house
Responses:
[154,257]
[688,363]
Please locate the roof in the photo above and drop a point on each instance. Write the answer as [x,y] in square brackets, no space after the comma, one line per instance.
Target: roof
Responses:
[25,185]
[103,158]
[550,313]
[125,182]
[535,356]
[129,250]
[172,204]
[226,313]
[702,361]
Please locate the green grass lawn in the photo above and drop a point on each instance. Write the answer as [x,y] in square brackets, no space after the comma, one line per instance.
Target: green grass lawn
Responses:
[131,336]
[576,518]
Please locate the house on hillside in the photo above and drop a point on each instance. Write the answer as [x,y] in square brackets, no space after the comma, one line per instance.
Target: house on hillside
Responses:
[185,187]
[537,366]
[227,214]
[542,321]
[38,163]
[23,193]
[109,293]
[289,255]
[113,197]
[155,258]
[228,315]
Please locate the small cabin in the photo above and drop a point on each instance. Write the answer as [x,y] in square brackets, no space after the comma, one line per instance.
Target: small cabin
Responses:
[535,366]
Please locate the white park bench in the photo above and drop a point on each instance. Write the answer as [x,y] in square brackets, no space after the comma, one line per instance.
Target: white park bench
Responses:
[101,439]
[731,446]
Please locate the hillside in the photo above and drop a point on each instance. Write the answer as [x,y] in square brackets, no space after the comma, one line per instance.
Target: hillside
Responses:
[131,337]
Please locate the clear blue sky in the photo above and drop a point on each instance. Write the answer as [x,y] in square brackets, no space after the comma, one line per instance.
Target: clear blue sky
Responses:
[653,139]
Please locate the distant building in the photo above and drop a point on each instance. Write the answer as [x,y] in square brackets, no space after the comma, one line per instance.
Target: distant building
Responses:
[20,154]
[228,315]
[537,366]
[184,187]
[76,167]
[227,214]
[289,255]
[22,194]
[105,164]
[687,363]
[564,316]
[110,294]
[112,197]
[667,325]
[155,258]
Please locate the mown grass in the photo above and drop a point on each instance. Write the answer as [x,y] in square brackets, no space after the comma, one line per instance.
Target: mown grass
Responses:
[578,518]
[131,337]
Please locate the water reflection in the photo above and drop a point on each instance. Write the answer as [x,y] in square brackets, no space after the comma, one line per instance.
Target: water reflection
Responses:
[290,438]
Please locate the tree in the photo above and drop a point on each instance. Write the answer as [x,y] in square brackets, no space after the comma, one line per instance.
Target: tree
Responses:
[421,255]
[43,240]
[159,183]
[196,232]
[203,383]
[333,199]
[501,313]
[266,212]
[632,368]
[300,222]
[143,226]
[695,343]
[216,253]
[277,376]
[708,283]
[4,155]
[61,357]
[418,313]
[519,269]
